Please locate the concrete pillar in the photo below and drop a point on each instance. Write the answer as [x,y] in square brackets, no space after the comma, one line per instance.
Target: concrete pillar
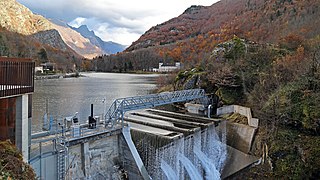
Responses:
[85,158]
[22,126]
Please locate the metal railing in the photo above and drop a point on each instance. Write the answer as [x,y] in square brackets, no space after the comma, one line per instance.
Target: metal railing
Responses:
[117,109]
[16,76]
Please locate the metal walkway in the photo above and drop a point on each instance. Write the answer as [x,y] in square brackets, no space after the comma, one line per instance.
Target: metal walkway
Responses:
[120,106]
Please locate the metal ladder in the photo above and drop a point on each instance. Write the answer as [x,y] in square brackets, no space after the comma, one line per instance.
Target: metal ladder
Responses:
[61,167]
[61,149]
[117,109]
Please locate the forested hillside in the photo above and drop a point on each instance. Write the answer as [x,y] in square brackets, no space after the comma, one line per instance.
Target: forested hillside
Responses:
[28,35]
[261,54]
[257,20]
[191,37]
[17,45]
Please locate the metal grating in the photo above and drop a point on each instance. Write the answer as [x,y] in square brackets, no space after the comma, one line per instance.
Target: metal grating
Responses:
[120,106]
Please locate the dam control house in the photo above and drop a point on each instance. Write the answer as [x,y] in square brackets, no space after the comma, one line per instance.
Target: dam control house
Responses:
[16,88]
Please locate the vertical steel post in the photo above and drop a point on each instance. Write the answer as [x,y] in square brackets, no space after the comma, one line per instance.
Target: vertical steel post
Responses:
[40,151]
[113,121]
[122,114]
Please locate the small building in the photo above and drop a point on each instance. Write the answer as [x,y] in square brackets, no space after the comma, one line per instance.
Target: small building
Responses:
[167,67]
[16,88]
[38,69]
[48,66]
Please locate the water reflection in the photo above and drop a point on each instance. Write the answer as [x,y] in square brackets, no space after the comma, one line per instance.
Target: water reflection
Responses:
[67,96]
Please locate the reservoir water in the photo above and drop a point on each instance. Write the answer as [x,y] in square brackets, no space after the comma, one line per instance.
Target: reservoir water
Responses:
[64,97]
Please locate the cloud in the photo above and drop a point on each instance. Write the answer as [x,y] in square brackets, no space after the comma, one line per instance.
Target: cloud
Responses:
[117,34]
[78,22]
[111,18]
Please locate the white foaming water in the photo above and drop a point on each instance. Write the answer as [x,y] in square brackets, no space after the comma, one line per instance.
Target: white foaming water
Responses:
[191,169]
[171,175]
[199,156]
[208,166]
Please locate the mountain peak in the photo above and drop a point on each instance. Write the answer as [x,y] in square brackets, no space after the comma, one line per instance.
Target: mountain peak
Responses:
[193,9]
[17,18]
[84,30]
[108,47]
[84,27]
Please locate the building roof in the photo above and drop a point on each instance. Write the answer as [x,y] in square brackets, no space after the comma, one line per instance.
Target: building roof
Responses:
[169,64]
[48,64]
[2,58]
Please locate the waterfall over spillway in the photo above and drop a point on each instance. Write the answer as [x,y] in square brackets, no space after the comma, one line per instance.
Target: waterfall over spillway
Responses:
[189,166]
[201,154]
[171,175]
[208,166]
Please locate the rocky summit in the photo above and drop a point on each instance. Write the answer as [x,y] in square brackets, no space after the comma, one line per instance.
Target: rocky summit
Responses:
[17,18]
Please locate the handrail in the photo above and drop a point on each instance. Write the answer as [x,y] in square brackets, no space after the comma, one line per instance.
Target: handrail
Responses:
[117,109]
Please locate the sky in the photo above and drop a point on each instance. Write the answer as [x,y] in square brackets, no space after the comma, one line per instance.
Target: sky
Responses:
[120,21]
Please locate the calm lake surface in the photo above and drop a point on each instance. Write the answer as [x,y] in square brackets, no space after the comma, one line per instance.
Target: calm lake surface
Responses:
[64,97]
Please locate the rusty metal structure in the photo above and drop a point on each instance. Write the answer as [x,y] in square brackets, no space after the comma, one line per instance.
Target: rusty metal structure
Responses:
[16,79]
[16,76]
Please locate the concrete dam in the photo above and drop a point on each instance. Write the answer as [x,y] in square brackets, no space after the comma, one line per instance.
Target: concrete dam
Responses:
[144,144]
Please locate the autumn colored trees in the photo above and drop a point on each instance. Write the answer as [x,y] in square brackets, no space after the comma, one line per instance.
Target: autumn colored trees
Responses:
[274,81]
[262,54]
[12,165]
[17,45]
[140,60]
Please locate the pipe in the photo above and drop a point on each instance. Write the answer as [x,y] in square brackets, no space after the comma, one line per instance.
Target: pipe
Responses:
[91,110]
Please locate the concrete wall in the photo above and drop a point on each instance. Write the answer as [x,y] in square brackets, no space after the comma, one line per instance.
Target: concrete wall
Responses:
[46,167]
[240,136]
[104,155]
[94,158]
[195,108]
[254,122]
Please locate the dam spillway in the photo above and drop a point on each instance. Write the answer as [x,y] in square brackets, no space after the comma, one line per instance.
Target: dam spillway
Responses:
[174,145]
[146,144]
[152,144]
[182,146]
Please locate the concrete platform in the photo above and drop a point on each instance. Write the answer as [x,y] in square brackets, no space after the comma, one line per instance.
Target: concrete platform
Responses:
[157,131]
[160,122]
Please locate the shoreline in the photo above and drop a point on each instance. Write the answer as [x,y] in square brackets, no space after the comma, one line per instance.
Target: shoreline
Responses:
[58,76]
[76,75]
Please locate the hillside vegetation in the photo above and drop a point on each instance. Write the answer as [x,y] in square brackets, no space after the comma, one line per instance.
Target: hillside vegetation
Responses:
[260,54]
[16,45]
[12,165]
[257,20]
[281,83]
[191,37]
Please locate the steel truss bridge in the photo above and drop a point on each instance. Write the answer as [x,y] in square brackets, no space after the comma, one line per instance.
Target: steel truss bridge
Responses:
[115,113]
